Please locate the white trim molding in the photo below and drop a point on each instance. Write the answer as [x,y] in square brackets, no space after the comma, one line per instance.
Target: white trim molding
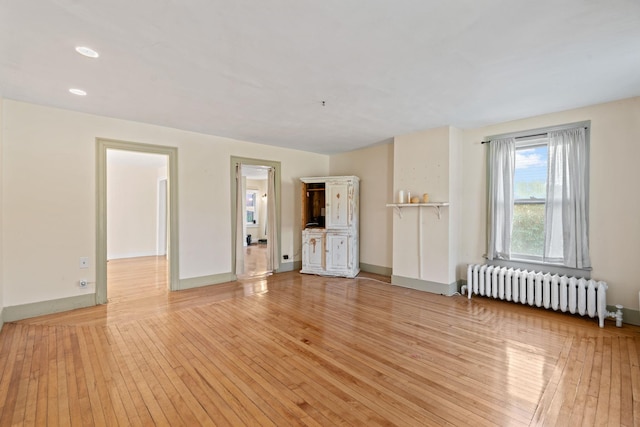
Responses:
[41,308]
[213,279]
[425,285]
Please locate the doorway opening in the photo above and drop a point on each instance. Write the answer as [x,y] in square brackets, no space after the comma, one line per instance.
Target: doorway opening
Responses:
[136,224]
[255,182]
[255,217]
[136,218]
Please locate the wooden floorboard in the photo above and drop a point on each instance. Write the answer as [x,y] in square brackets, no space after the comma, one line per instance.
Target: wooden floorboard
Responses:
[300,350]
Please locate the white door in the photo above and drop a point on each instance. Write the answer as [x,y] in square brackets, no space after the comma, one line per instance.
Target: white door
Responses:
[337,205]
[337,252]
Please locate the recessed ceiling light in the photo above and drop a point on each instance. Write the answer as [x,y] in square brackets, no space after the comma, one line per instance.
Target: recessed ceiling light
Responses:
[87,51]
[79,92]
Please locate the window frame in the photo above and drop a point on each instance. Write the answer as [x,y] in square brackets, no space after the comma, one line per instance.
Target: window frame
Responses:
[533,263]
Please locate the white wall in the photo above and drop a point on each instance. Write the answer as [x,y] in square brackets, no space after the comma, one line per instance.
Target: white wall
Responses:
[132,206]
[614,231]
[49,196]
[374,167]
[422,165]
[1,210]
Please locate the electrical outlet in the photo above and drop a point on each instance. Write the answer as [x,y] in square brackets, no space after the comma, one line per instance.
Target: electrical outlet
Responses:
[84,262]
[83,283]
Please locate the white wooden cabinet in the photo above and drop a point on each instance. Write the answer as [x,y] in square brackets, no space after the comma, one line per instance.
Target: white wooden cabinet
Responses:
[330,218]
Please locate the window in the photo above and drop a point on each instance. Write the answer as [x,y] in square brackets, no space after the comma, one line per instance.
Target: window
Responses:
[252,207]
[539,196]
[530,193]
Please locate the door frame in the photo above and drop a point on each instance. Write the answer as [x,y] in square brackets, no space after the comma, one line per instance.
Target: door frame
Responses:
[102,145]
[161,229]
[253,162]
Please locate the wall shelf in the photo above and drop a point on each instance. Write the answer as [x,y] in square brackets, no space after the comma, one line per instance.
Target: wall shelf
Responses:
[399,206]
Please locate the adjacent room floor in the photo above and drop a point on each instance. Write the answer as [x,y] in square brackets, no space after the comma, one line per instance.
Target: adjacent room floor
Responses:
[255,260]
[293,349]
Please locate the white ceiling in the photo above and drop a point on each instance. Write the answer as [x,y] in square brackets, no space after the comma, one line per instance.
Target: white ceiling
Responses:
[260,173]
[259,70]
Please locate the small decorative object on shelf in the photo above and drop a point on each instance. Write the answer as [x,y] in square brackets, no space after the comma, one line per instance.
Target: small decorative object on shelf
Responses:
[425,198]
[415,199]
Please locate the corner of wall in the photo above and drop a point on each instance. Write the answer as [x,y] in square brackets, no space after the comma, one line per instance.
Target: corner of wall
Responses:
[374,166]
[455,196]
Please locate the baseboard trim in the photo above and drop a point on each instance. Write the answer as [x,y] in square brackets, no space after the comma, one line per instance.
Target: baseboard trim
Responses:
[133,255]
[213,279]
[425,285]
[289,266]
[1,320]
[376,269]
[34,309]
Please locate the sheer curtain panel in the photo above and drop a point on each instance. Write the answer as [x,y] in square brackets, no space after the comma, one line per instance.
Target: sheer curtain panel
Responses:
[502,158]
[567,204]
[240,195]
[273,260]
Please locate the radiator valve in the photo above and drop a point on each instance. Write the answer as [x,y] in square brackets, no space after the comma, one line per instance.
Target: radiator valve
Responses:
[619,316]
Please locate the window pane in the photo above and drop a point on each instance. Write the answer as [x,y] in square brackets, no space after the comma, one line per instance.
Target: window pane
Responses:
[530,190]
[251,199]
[530,176]
[528,229]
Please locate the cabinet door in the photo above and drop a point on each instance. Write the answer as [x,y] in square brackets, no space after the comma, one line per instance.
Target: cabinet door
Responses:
[338,252]
[337,205]
[313,248]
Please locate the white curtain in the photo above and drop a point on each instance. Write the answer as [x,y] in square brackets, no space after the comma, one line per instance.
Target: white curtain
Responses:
[240,222]
[273,260]
[502,158]
[567,204]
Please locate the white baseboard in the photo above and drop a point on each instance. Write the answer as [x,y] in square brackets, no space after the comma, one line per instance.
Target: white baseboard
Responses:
[289,266]
[133,255]
[425,285]
[214,279]
[376,269]
[34,309]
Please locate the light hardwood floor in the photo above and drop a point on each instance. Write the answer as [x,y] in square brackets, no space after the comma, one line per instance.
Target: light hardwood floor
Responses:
[255,260]
[305,350]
